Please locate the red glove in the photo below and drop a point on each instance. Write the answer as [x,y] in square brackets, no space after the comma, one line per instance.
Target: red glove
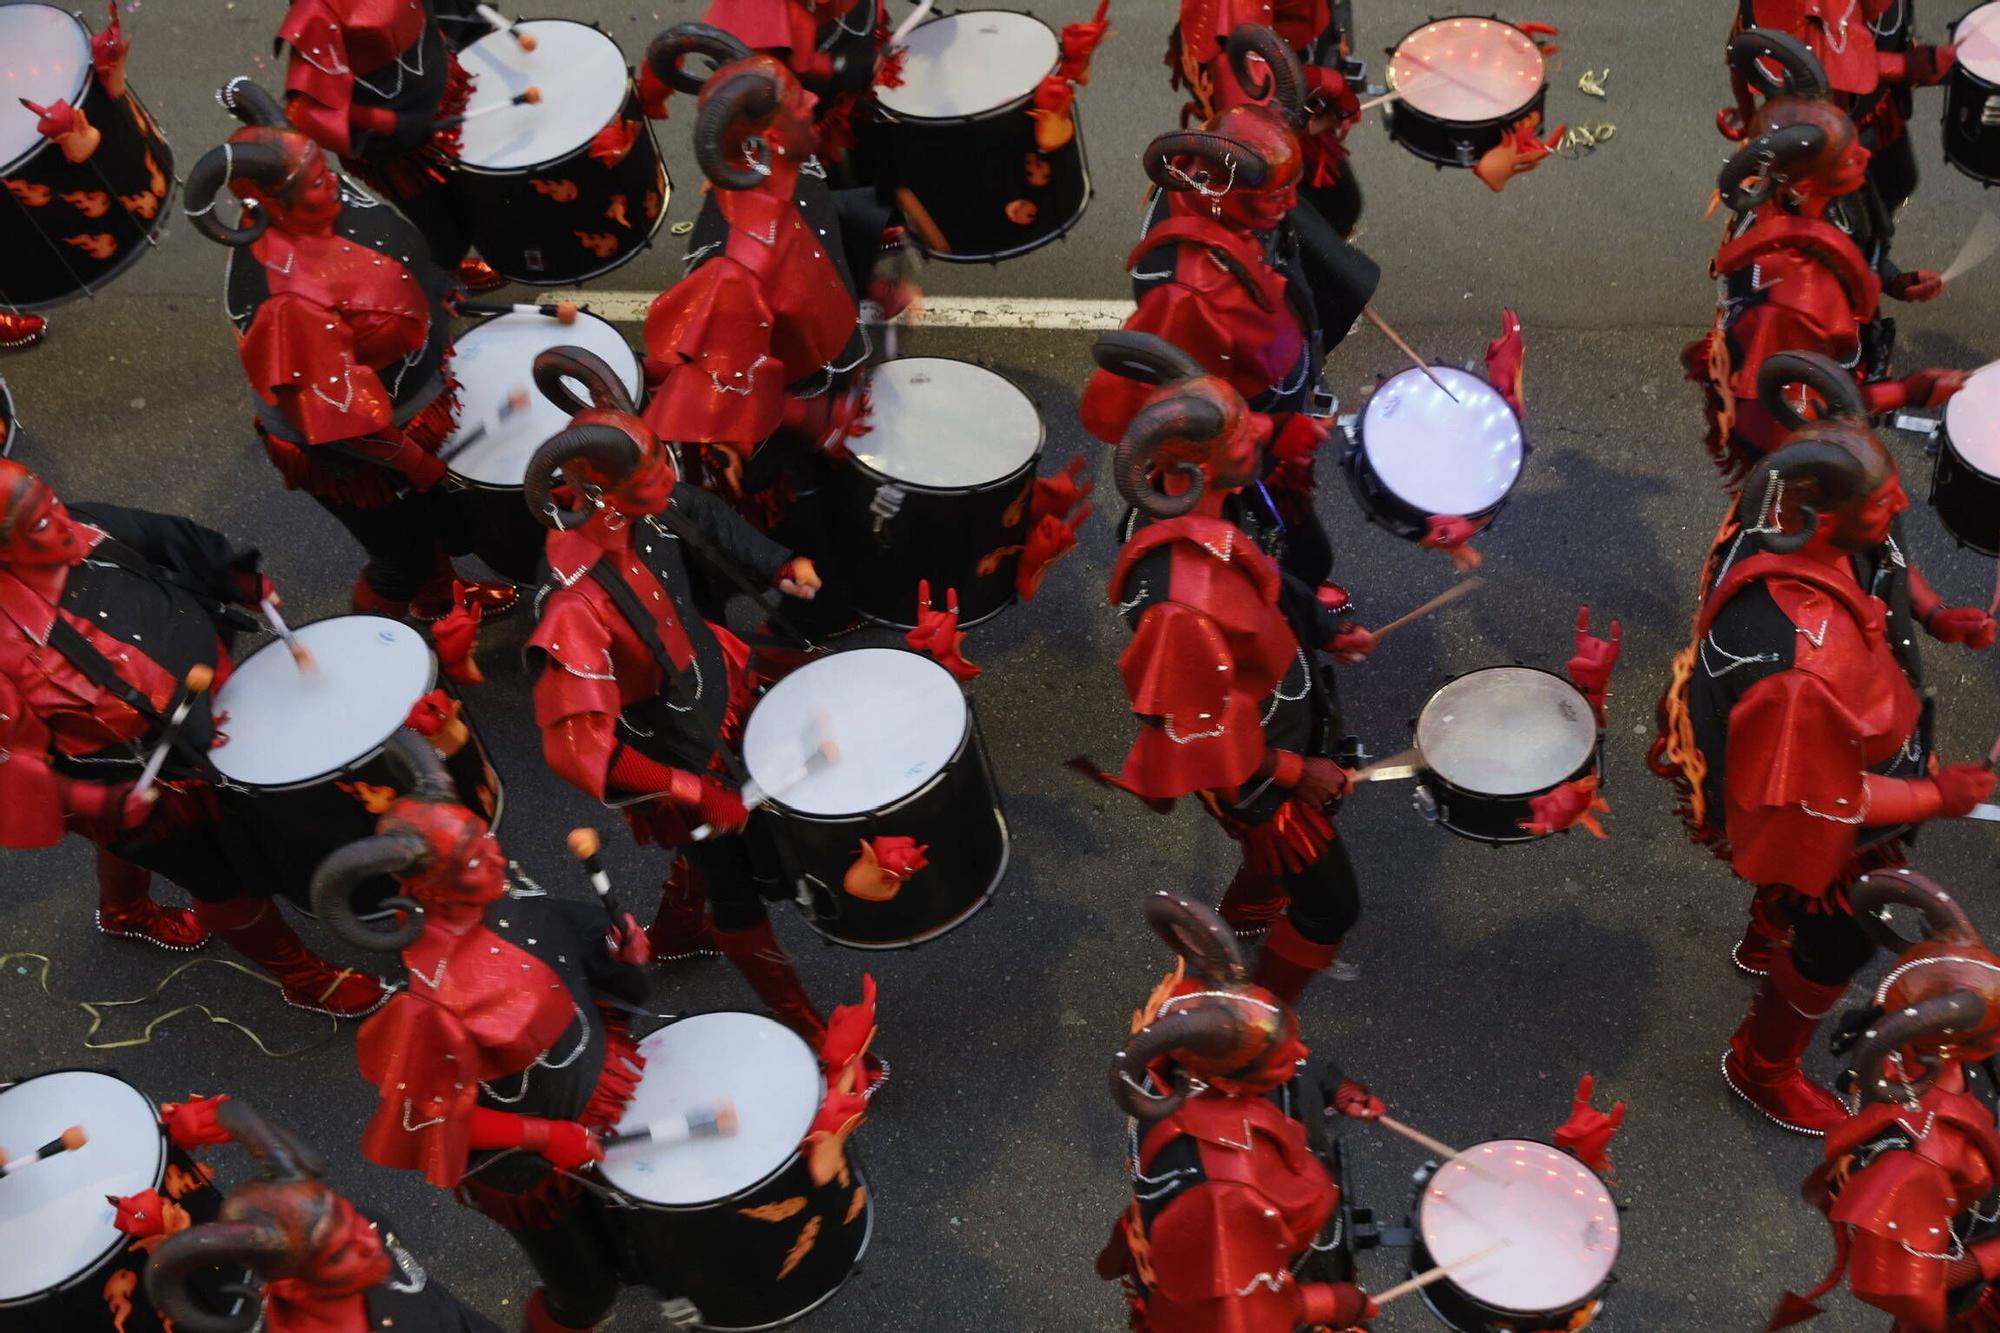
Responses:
[430,714]
[1080,41]
[1960,787]
[1567,806]
[1506,360]
[1295,446]
[1320,781]
[1930,388]
[424,470]
[721,805]
[1927,65]
[1334,1304]
[628,943]
[937,633]
[140,1215]
[1538,31]
[564,1143]
[191,1124]
[1350,643]
[252,589]
[95,808]
[1590,669]
[1354,1099]
[1960,624]
[1918,285]
[1588,1131]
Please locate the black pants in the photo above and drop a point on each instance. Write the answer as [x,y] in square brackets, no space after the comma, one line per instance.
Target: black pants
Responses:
[729,877]
[574,1261]
[1827,947]
[1893,171]
[403,540]
[1326,896]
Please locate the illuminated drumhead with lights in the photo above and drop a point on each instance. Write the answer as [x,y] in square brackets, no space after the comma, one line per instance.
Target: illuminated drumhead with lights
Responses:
[1443,457]
[1550,1216]
[1467,70]
[1977,37]
[45,58]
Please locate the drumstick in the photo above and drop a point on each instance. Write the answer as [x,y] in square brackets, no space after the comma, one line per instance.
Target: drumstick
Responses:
[528,97]
[1430,1275]
[1979,245]
[1393,95]
[1407,350]
[68,1141]
[199,678]
[827,752]
[525,41]
[1393,769]
[1443,1150]
[1445,598]
[917,15]
[584,845]
[562,312]
[517,400]
[301,654]
[701,1122]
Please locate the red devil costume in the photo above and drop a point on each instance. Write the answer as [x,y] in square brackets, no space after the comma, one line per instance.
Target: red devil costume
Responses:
[1230,1192]
[1793,728]
[345,334]
[640,700]
[1223,667]
[1907,1183]
[369,80]
[104,612]
[1798,269]
[507,1055]
[327,1267]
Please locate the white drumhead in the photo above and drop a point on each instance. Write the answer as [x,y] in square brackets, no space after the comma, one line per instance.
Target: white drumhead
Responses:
[497,358]
[286,725]
[55,1222]
[1467,69]
[1506,731]
[897,717]
[44,57]
[1972,415]
[970,62]
[1557,1218]
[761,1066]
[583,81]
[1978,39]
[949,424]
[1444,457]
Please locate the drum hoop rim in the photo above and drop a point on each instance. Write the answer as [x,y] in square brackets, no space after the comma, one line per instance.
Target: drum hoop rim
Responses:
[1364,479]
[1594,759]
[631,96]
[122,1242]
[990,113]
[76,99]
[1958,454]
[1028,464]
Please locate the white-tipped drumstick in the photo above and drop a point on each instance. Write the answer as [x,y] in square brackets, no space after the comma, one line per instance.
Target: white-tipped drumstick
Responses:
[501,23]
[1980,243]
[1439,1149]
[527,97]
[1430,1275]
[825,751]
[301,654]
[700,1122]
[68,1141]
[1375,318]
[917,15]
[199,678]
[1445,598]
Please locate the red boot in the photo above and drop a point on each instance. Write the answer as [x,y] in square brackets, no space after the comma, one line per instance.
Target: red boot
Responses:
[1290,960]
[1762,1063]
[492,598]
[367,602]
[476,276]
[1764,935]
[1252,902]
[681,928]
[19,332]
[254,928]
[768,968]
[126,909]
[539,1320]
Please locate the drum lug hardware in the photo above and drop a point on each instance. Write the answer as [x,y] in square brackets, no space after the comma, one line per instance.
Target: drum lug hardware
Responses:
[885,505]
[1426,803]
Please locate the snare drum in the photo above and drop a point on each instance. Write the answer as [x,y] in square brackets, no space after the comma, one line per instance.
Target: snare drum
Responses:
[488,454]
[970,179]
[1415,453]
[573,186]
[911,764]
[1559,1227]
[735,1223]
[1972,96]
[940,481]
[1493,740]
[302,766]
[1464,82]
[1965,483]
[68,1267]
[67,228]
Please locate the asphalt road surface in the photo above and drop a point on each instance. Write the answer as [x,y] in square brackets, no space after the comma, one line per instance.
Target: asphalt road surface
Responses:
[1489,979]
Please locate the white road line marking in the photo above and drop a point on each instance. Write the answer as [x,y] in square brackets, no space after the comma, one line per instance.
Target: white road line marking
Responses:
[939,312]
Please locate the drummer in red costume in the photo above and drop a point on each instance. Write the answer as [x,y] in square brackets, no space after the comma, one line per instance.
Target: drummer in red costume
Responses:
[1904,1183]
[1793,280]
[350,360]
[369,80]
[640,700]
[1231,1196]
[506,1056]
[104,611]
[1223,668]
[1794,729]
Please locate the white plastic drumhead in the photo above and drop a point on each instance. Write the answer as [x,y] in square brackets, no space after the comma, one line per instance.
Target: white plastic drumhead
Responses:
[1972,415]
[1467,70]
[498,357]
[1444,457]
[767,1072]
[949,424]
[55,1222]
[1978,39]
[583,81]
[44,57]
[287,725]
[896,717]
[970,62]
[1556,1217]
[1506,731]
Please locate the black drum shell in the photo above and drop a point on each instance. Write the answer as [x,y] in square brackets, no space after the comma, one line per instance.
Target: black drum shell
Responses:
[726,1261]
[957,814]
[38,267]
[1967,500]
[1451,143]
[495,524]
[938,534]
[1388,510]
[1968,145]
[965,171]
[532,236]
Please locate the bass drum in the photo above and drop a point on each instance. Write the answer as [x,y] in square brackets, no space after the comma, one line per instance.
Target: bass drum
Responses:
[735,1223]
[1415,453]
[940,481]
[1965,484]
[959,145]
[911,764]
[1493,740]
[302,771]
[568,188]
[1972,96]
[68,1268]
[69,227]
[1463,82]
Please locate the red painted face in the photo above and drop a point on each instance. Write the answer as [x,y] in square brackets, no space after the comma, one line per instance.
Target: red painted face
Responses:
[1265,206]
[1866,524]
[793,128]
[467,868]
[36,531]
[649,488]
[348,1257]
[1851,172]
[314,201]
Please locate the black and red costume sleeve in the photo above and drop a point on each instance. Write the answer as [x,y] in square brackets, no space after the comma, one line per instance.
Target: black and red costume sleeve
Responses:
[710,360]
